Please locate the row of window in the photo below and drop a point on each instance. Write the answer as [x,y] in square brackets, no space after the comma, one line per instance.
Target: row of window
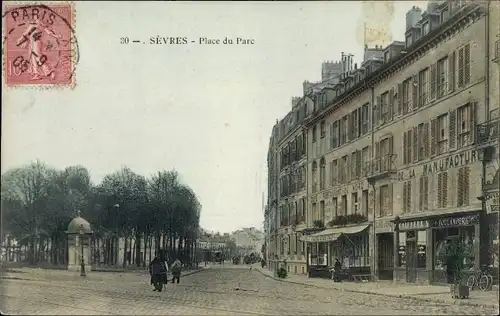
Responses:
[385,197]
[429,84]
[358,205]
[293,151]
[463,191]
[291,244]
[293,182]
[293,213]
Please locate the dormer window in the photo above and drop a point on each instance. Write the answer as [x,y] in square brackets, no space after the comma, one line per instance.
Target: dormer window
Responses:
[408,40]
[425,28]
[444,14]
[386,56]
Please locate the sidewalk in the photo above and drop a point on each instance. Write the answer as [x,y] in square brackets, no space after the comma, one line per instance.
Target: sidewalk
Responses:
[428,293]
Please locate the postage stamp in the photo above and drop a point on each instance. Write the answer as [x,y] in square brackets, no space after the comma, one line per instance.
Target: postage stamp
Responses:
[40,48]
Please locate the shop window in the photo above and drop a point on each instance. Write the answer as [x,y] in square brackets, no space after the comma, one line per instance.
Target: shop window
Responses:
[402,250]
[421,246]
[322,253]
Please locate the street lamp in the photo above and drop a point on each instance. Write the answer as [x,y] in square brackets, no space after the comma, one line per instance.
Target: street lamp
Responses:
[82,261]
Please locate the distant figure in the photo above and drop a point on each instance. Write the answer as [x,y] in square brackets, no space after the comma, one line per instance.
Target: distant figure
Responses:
[176,271]
[158,272]
[337,267]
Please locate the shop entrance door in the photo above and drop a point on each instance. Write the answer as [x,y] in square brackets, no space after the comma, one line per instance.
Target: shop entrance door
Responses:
[411,260]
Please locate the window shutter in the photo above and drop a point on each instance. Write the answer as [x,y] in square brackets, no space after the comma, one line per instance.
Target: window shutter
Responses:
[331,136]
[433,137]
[461,67]
[451,72]
[391,145]
[378,203]
[467,64]
[452,125]
[330,172]
[445,188]
[405,147]
[426,193]
[369,115]
[433,82]
[409,139]
[421,194]
[415,144]
[414,91]
[391,103]
[439,190]
[390,199]
[405,193]
[349,126]
[426,140]
[400,99]
[460,187]
[377,112]
[472,122]
[377,149]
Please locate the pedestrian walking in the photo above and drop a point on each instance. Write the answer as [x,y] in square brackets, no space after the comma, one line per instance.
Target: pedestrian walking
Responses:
[176,271]
[158,273]
[337,267]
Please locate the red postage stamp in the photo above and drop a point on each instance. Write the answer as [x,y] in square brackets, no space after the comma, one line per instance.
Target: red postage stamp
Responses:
[40,47]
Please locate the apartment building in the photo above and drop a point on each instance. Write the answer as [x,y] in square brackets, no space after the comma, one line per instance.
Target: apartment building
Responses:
[287,177]
[292,185]
[394,168]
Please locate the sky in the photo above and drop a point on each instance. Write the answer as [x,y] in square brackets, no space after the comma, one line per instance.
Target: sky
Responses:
[206,111]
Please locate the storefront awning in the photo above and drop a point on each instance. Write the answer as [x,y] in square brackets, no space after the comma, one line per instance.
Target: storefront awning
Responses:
[332,234]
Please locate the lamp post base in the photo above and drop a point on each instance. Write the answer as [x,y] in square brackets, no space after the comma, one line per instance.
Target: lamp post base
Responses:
[82,270]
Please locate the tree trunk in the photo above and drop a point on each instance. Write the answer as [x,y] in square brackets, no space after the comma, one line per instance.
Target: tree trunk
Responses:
[132,250]
[150,246]
[137,246]
[179,249]
[145,250]
[125,251]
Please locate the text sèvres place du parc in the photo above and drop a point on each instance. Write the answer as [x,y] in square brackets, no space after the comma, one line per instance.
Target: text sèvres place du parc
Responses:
[161,40]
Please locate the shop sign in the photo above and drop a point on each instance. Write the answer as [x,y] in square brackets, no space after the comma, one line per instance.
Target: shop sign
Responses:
[324,238]
[383,224]
[454,161]
[456,221]
[414,225]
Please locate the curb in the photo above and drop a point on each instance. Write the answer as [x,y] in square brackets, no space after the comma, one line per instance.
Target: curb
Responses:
[415,298]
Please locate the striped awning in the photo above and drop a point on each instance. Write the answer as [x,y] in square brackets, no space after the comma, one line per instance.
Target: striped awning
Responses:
[331,234]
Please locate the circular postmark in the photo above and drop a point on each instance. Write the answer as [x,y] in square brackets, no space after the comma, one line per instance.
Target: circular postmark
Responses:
[39,44]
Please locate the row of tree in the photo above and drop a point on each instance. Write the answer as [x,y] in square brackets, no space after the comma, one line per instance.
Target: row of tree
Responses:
[38,202]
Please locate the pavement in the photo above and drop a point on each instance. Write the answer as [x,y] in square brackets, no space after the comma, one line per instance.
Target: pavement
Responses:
[426,293]
[217,290]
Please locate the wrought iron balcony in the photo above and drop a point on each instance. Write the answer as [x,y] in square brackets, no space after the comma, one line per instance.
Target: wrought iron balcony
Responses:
[380,167]
[488,132]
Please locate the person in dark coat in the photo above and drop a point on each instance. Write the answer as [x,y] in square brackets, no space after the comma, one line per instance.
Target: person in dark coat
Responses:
[176,271]
[158,273]
[337,267]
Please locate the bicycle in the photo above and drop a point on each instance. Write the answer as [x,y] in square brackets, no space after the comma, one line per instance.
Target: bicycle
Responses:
[480,279]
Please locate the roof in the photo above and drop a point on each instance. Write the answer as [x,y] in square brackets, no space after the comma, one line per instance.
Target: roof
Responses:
[78,224]
[332,234]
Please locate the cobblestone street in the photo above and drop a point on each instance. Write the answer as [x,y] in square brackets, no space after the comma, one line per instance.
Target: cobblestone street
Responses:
[214,291]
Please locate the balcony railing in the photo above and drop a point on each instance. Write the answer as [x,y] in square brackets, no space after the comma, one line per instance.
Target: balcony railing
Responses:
[488,132]
[380,167]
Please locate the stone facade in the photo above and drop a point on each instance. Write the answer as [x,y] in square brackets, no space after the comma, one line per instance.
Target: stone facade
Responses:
[397,138]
